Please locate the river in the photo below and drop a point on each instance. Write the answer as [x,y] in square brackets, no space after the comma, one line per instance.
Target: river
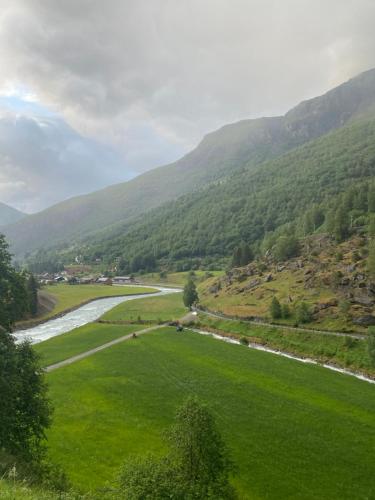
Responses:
[80,316]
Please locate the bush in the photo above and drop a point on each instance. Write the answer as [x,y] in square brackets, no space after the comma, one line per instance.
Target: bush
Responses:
[285,311]
[244,341]
[275,309]
[303,313]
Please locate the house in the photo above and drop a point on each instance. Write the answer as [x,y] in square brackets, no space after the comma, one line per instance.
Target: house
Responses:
[120,280]
[104,281]
[59,279]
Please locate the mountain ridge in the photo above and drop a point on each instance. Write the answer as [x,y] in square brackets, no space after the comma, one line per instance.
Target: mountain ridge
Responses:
[247,143]
[9,215]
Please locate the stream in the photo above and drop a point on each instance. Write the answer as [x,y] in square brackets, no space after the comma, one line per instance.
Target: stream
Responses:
[80,316]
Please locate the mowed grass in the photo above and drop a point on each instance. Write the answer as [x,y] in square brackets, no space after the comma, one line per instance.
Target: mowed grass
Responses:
[80,340]
[157,309]
[345,352]
[295,430]
[71,296]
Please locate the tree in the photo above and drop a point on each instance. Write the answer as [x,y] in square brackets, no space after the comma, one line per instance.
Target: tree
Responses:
[14,303]
[201,455]
[25,410]
[285,311]
[196,467]
[190,295]
[286,248]
[371,345]
[275,309]
[341,224]
[32,290]
[303,313]
[246,254]
[236,257]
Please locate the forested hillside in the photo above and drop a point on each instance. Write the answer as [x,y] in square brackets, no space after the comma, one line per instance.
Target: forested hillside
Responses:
[248,143]
[255,205]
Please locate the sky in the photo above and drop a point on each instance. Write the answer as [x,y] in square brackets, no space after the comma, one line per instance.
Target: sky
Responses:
[94,92]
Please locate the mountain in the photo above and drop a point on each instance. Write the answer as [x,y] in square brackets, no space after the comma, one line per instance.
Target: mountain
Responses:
[278,195]
[248,143]
[9,215]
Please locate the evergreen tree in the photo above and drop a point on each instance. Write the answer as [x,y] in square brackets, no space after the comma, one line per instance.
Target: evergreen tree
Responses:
[275,309]
[286,248]
[190,295]
[24,410]
[341,224]
[246,254]
[236,257]
[32,289]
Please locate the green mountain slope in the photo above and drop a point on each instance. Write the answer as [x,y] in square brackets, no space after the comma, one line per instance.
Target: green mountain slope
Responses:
[9,215]
[250,203]
[249,142]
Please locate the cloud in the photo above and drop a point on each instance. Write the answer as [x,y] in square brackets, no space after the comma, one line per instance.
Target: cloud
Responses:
[150,78]
[43,161]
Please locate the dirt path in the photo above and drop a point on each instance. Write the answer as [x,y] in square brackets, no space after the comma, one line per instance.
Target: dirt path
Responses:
[86,354]
[283,327]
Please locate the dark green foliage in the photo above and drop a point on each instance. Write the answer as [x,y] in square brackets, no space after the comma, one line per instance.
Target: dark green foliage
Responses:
[14,297]
[32,290]
[190,295]
[242,255]
[371,345]
[285,311]
[286,248]
[24,410]
[341,223]
[196,467]
[303,313]
[275,309]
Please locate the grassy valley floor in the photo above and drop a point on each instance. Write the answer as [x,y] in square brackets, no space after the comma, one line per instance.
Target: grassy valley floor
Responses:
[291,427]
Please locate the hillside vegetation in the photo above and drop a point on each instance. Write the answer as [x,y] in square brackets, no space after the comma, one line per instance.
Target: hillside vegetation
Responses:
[206,226]
[247,143]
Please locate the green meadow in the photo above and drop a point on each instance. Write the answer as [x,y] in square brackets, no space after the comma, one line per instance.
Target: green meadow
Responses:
[157,309]
[345,352]
[80,340]
[295,430]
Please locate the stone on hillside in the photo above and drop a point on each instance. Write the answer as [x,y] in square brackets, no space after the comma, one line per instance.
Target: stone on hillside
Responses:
[367,320]
[268,278]
[252,284]
[280,268]
[363,299]
[345,281]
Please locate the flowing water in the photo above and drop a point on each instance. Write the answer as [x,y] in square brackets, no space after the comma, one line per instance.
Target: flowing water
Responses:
[80,316]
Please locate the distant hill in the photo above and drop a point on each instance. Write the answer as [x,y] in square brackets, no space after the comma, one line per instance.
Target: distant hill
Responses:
[9,215]
[245,144]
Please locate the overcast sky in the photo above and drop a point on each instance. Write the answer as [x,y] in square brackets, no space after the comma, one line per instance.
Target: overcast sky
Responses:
[93,91]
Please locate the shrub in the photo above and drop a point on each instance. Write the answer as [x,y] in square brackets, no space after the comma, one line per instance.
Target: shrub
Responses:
[275,309]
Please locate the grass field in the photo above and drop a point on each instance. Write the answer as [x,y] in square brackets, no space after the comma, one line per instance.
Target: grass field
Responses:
[295,430]
[18,491]
[67,297]
[344,352]
[80,340]
[157,309]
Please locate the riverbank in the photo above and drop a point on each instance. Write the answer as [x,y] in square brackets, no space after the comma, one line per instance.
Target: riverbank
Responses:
[68,298]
